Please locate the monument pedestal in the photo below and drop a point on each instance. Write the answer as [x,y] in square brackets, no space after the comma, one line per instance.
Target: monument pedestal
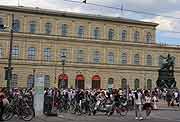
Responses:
[166,79]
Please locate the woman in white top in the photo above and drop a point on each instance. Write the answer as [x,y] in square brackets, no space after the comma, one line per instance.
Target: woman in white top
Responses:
[138,104]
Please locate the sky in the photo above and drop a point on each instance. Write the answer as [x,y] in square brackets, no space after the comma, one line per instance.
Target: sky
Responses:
[167,25]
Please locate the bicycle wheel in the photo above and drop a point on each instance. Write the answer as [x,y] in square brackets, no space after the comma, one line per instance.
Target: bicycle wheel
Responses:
[123,111]
[27,114]
[7,113]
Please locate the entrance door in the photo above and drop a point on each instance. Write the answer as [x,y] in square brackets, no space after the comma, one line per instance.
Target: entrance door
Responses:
[79,81]
[96,82]
[63,81]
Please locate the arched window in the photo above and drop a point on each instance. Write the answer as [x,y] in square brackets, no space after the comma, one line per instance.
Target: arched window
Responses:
[96,33]
[136,59]
[16,25]
[46,81]
[124,35]
[110,58]
[14,81]
[136,84]
[64,30]
[31,53]
[96,57]
[124,83]
[110,82]
[30,81]
[48,28]
[81,32]
[149,84]
[149,60]
[32,28]
[1,23]
[124,58]
[111,34]
[136,36]
[148,38]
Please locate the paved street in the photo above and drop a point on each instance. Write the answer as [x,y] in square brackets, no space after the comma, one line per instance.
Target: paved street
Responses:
[163,115]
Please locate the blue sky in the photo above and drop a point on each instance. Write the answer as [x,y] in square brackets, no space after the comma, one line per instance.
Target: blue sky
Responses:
[160,7]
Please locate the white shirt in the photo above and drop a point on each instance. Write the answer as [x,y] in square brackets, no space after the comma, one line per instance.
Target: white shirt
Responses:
[147,99]
[139,100]
[175,94]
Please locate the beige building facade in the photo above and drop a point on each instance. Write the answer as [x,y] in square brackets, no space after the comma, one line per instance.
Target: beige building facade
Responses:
[100,51]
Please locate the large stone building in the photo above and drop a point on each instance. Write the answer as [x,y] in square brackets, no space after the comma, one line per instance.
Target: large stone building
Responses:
[100,51]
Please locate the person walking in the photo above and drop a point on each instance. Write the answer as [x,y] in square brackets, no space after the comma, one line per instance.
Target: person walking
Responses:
[138,104]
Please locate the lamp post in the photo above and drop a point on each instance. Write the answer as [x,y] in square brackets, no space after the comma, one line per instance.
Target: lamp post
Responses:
[63,60]
[34,71]
[9,68]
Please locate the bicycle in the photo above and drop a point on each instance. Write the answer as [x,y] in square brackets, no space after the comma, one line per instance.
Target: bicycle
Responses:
[18,107]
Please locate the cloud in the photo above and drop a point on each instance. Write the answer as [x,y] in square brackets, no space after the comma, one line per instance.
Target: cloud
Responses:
[168,24]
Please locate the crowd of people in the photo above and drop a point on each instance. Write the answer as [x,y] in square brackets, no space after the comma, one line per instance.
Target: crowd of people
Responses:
[63,99]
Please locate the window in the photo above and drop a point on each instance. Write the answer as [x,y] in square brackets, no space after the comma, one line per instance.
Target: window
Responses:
[136,84]
[124,58]
[63,52]
[31,53]
[46,81]
[124,35]
[48,28]
[96,33]
[111,58]
[110,82]
[136,36]
[96,57]
[80,56]
[124,83]
[136,59]
[149,60]
[149,38]
[47,54]
[111,34]
[1,52]
[30,81]
[16,25]
[1,23]
[64,30]
[81,32]
[15,52]
[149,84]
[14,81]
[32,28]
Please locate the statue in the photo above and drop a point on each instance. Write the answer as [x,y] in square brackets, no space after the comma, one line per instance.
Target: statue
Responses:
[167,62]
[166,73]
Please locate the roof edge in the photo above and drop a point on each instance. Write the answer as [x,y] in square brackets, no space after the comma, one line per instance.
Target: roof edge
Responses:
[37,10]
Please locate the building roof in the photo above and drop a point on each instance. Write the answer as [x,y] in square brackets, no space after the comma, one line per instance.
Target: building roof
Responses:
[37,10]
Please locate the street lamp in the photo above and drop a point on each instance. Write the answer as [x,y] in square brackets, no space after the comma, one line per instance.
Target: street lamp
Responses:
[34,71]
[63,60]
[9,68]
